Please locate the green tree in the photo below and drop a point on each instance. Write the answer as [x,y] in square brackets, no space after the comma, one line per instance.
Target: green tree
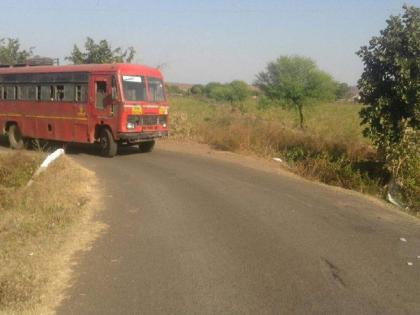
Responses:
[210,87]
[342,91]
[390,90]
[390,83]
[197,89]
[219,92]
[295,81]
[237,91]
[11,53]
[101,52]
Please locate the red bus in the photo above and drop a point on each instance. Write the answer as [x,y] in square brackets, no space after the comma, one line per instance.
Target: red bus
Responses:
[110,104]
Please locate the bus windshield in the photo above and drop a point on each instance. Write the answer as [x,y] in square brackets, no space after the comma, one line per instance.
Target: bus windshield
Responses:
[134,87]
[156,90]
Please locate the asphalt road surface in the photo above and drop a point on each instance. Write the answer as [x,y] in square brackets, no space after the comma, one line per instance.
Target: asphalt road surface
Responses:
[194,234]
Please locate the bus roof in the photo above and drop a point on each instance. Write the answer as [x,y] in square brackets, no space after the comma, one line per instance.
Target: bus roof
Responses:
[125,68]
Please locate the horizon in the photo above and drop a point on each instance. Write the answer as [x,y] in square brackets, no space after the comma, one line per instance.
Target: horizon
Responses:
[209,40]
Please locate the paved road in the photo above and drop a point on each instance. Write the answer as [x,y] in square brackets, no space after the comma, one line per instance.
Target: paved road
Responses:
[191,234]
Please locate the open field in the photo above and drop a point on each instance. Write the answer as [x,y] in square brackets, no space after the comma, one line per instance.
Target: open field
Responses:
[326,120]
[330,149]
[40,227]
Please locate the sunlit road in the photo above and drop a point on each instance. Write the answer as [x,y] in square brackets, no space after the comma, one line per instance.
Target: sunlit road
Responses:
[190,234]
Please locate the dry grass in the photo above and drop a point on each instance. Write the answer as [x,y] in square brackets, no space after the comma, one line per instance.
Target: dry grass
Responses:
[36,225]
[330,149]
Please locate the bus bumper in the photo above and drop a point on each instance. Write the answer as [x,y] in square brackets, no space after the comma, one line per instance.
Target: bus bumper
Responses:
[133,137]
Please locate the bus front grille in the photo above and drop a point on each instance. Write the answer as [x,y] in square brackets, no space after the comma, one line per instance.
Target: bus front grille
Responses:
[150,120]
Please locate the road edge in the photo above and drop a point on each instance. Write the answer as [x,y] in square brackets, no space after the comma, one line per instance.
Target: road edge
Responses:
[250,160]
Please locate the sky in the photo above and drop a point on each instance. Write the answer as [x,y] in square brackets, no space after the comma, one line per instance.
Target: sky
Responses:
[204,41]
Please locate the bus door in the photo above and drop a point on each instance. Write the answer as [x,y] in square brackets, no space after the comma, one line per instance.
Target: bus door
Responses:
[103,108]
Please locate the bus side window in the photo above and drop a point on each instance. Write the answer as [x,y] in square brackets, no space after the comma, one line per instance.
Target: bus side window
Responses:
[19,92]
[45,93]
[100,94]
[52,92]
[31,92]
[59,93]
[10,92]
[81,92]
[1,93]
[68,93]
[27,92]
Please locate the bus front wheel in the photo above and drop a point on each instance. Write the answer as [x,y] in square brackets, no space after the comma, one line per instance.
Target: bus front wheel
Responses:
[146,146]
[15,137]
[107,143]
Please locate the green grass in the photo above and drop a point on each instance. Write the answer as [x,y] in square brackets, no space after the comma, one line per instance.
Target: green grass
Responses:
[336,120]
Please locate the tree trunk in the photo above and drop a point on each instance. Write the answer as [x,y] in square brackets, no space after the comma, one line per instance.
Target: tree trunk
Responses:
[300,110]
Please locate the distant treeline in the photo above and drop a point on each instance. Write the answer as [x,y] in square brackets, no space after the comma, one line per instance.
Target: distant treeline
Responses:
[225,91]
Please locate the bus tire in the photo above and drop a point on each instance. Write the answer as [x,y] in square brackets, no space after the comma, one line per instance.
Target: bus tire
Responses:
[15,137]
[107,143]
[146,146]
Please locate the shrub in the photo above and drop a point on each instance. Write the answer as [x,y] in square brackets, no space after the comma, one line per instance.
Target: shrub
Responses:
[233,92]
[403,162]
[197,89]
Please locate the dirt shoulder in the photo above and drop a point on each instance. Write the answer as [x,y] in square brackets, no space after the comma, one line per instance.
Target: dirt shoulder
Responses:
[41,228]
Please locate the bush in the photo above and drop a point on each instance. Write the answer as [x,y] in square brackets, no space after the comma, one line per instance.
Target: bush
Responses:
[233,92]
[197,89]
[403,162]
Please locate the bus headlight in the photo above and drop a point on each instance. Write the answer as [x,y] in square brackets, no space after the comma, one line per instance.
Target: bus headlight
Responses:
[130,125]
[132,121]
